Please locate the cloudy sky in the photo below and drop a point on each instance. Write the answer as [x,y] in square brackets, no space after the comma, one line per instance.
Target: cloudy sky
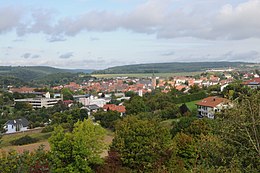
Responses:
[95,34]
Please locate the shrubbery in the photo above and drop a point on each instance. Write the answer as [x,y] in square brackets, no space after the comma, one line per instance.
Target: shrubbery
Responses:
[24,140]
[191,97]
[47,129]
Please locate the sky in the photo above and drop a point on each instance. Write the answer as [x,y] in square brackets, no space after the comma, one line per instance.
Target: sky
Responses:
[96,34]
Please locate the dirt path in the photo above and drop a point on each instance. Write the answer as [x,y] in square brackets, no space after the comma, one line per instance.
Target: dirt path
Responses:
[29,147]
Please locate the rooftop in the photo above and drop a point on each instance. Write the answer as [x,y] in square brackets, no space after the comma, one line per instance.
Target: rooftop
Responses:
[211,101]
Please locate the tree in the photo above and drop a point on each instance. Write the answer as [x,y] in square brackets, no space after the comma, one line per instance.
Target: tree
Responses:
[0,138]
[143,144]
[78,151]
[184,110]
[240,127]
[34,162]
[130,94]
[181,125]
[170,111]
[136,105]
[235,90]
[214,88]
[107,119]
[67,94]
[194,89]
[23,106]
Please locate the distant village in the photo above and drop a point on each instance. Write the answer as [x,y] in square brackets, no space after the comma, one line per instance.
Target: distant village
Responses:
[97,94]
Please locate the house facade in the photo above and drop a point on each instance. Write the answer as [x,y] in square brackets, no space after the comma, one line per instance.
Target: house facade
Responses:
[94,101]
[17,125]
[210,105]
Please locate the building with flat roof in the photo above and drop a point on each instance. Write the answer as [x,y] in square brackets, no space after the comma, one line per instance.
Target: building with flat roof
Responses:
[40,102]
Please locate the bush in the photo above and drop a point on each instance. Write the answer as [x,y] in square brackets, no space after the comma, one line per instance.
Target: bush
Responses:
[24,140]
[47,129]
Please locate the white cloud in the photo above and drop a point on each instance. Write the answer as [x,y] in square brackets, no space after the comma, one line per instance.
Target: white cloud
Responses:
[238,22]
[167,19]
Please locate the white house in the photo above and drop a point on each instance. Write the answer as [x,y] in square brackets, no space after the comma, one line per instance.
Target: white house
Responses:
[91,108]
[210,105]
[17,125]
[100,102]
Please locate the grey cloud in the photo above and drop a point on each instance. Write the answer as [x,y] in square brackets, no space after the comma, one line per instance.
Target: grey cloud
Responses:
[29,55]
[7,48]
[55,38]
[168,53]
[35,56]
[18,40]
[10,18]
[94,39]
[26,55]
[66,55]
[251,56]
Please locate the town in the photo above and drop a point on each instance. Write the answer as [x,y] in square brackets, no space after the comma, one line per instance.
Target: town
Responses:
[216,91]
[31,116]
[130,86]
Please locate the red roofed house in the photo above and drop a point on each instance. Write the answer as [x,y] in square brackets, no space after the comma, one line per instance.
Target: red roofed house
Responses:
[113,107]
[23,90]
[181,87]
[210,105]
[253,83]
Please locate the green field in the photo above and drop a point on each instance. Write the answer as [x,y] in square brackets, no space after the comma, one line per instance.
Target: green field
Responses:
[191,105]
[145,75]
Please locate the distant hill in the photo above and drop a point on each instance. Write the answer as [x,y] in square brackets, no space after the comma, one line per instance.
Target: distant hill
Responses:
[28,73]
[172,67]
[61,79]
[80,70]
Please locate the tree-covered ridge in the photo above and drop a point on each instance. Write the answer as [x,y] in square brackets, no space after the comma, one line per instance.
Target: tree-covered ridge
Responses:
[28,73]
[173,67]
[11,81]
[61,79]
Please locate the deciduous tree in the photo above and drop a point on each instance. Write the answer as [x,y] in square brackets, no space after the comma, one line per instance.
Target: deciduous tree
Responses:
[79,150]
[143,144]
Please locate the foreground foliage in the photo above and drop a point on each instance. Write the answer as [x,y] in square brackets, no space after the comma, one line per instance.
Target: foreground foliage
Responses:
[78,151]
[142,143]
